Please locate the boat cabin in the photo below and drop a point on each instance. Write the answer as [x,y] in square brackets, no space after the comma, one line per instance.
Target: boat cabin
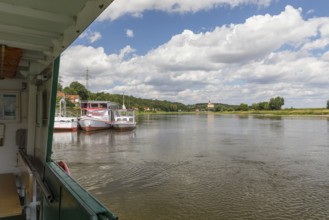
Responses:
[33,34]
[87,105]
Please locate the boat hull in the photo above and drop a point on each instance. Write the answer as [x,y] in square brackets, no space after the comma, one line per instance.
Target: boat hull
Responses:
[123,119]
[90,124]
[65,124]
[124,126]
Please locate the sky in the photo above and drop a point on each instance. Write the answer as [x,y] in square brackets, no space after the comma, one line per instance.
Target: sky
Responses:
[223,51]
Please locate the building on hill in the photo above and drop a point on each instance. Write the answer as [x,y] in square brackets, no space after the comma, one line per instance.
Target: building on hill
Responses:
[60,94]
[75,99]
[210,106]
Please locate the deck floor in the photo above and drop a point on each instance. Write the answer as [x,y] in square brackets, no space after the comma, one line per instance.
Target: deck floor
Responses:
[9,200]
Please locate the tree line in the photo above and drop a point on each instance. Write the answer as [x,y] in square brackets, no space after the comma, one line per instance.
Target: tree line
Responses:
[274,104]
[76,88]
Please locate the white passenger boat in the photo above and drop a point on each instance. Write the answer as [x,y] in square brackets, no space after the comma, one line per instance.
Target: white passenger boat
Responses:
[65,123]
[95,119]
[33,35]
[123,119]
[62,122]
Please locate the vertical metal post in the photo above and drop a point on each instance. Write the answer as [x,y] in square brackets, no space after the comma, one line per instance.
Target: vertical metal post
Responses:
[31,126]
[52,108]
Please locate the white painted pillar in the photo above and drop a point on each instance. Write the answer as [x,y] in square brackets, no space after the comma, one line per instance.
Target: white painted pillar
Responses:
[31,119]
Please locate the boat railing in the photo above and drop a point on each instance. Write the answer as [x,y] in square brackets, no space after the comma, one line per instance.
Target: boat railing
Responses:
[69,193]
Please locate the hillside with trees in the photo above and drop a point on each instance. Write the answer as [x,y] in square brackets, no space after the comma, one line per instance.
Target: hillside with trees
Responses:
[154,105]
[76,88]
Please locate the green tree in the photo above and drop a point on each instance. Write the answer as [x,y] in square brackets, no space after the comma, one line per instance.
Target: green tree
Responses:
[263,106]
[173,108]
[80,90]
[69,103]
[255,106]
[69,91]
[328,104]
[243,107]
[276,103]
[77,86]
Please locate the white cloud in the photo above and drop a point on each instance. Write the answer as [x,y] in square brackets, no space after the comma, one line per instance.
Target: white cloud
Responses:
[311,11]
[136,8]
[129,33]
[95,37]
[267,56]
[91,36]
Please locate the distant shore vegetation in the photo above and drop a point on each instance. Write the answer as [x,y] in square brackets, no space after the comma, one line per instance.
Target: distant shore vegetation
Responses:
[154,106]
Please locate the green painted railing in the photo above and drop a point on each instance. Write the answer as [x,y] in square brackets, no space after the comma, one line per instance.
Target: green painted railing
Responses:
[71,201]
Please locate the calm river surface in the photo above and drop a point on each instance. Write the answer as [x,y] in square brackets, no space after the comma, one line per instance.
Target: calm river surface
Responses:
[205,167]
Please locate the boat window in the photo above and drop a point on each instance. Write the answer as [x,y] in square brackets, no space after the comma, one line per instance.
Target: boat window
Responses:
[102,105]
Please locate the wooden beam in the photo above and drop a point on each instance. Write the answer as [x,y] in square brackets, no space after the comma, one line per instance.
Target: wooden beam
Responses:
[28,32]
[34,13]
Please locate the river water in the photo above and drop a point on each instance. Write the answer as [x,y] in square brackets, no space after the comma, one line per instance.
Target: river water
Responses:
[205,167]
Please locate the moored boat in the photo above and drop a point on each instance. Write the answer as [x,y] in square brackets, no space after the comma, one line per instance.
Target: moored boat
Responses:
[123,119]
[95,119]
[65,123]
[62,122]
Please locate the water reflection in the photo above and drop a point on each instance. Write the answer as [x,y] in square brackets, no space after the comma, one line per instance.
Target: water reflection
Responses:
[268,117]
[105,138]
[206,166]
[74,146]
[65,138]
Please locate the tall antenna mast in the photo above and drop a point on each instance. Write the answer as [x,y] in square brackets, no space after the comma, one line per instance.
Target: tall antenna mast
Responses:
[123,102]
[87,78]
[60,81]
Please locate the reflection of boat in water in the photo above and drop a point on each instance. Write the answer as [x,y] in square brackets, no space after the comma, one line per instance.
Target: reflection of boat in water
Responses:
[63,142]
[65,138]
[93,138]
[62,122]
[95,119]
[105,138]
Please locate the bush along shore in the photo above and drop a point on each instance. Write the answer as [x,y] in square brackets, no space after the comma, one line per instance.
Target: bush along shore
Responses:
[283,112]
[154,106]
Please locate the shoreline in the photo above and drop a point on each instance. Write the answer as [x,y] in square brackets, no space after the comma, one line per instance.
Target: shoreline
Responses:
[264,113]
[315,112]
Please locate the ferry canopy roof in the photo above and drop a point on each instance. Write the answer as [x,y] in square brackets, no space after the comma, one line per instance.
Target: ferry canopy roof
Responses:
[35,32]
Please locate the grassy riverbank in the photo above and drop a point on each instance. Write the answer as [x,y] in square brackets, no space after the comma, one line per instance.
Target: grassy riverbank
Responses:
[293,112]
[283,112]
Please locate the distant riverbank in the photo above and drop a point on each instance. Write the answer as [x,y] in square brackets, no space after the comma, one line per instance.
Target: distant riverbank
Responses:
[288,112]
[283,112]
